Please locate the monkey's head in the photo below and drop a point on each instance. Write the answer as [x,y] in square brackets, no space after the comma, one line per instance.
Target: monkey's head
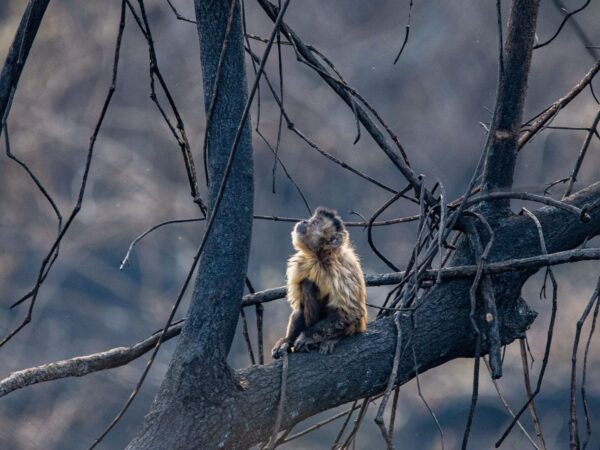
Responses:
[323,232]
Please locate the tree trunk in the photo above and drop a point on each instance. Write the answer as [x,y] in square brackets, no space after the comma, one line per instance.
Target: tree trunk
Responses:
[195,396]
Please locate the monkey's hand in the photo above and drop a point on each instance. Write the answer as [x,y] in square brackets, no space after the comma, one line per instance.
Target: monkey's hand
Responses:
[282,346]
[304,343]
[326,347]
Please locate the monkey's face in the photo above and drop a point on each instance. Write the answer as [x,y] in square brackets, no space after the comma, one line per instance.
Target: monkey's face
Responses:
[322,232]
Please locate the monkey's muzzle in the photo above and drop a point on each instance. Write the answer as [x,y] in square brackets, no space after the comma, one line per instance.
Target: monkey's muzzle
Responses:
[301,227]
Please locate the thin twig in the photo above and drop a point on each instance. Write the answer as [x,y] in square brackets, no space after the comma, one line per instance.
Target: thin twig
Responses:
[177,15]
[177,129]
[357,423]
[370,229]
[280,408]
[530,197]
[390,385]
[473,307]
[150,230]
[538,122]
[573,428]
[259,331]
[582,153]
[546,357]
[588,428]
[277,159]
[508,409]
[393,413]
[247,336]
[318,425]
[532,408]
[562,24]
[420,393]
[406,33]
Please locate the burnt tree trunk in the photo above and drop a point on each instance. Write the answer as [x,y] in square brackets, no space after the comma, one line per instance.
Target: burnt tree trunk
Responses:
[196,396]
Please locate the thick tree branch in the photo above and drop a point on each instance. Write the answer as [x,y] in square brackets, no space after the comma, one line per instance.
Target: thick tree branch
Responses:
[502,140]
[368,350]
[120,356]
[361,364]
[18,52]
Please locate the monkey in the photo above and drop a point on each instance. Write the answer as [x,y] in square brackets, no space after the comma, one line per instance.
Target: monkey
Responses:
[325,286]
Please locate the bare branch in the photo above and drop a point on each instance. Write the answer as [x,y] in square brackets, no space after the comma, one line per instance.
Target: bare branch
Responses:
[586,143]
[18,52]
[573,428]
[538,123]
[502,138]
[347,95]
[82,365]
[562,24]
[390,385]
[120,356]
[52,254]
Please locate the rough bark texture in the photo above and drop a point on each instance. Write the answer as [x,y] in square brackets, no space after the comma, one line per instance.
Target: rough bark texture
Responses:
[195,390]
[512,90]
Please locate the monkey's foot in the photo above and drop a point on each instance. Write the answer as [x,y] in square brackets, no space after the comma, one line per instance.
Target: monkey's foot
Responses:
[326,347]
[304,343]
[280,348]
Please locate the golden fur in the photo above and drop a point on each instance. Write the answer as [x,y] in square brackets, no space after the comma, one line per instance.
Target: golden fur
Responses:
[333,267]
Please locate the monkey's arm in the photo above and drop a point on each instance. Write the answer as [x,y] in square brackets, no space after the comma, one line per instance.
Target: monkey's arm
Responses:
[323,334]
[295,326]
[307,312]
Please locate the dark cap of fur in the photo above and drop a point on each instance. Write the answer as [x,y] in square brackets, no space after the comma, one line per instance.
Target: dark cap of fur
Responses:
[332,215]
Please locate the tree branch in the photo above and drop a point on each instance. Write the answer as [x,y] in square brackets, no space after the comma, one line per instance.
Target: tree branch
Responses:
[83,365]
[346,94]
[18,52]
[512,90]
[212,317]
[545,116]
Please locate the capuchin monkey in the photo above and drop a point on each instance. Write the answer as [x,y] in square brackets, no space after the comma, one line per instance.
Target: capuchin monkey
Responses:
[325,286]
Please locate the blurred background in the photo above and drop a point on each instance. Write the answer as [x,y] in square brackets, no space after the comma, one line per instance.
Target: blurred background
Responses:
[434,98]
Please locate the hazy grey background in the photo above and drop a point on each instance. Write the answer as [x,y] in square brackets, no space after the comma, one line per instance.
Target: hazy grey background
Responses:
[434,98]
